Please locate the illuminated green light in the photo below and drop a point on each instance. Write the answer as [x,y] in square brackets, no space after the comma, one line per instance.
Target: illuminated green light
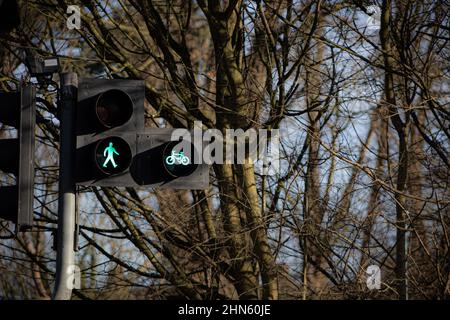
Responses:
[110,150]
[177,158]
[107,153]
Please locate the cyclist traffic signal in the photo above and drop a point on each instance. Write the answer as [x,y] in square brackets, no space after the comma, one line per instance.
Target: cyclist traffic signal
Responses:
[114,149]
[163,161]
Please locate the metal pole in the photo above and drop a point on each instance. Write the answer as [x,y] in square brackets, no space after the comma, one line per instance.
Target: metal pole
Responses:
[65,261]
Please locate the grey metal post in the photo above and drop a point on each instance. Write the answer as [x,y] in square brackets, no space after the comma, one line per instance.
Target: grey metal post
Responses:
[65,261]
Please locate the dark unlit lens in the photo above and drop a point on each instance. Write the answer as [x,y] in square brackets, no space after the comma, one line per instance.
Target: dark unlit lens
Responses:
[114,108]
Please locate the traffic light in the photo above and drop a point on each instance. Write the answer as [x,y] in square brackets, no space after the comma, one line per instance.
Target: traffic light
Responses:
[114,149]
[166,163]
[110,113]
[9,15]
[17,109]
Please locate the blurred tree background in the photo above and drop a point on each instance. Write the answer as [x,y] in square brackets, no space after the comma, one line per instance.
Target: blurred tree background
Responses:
[360,93]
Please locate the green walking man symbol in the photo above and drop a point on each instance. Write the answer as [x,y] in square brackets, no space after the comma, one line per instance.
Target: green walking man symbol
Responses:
[111,151]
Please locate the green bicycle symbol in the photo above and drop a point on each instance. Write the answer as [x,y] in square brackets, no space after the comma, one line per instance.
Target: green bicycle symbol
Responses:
[177,157]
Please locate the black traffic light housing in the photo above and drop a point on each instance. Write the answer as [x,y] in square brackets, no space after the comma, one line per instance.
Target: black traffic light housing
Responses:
[151,166]
[9,15]
[18,110]
[114,148]
[109,115]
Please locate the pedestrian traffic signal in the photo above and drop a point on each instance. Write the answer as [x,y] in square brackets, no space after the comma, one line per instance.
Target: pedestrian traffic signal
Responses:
[114,149]
[113,155]
[109,115]
[17,110]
